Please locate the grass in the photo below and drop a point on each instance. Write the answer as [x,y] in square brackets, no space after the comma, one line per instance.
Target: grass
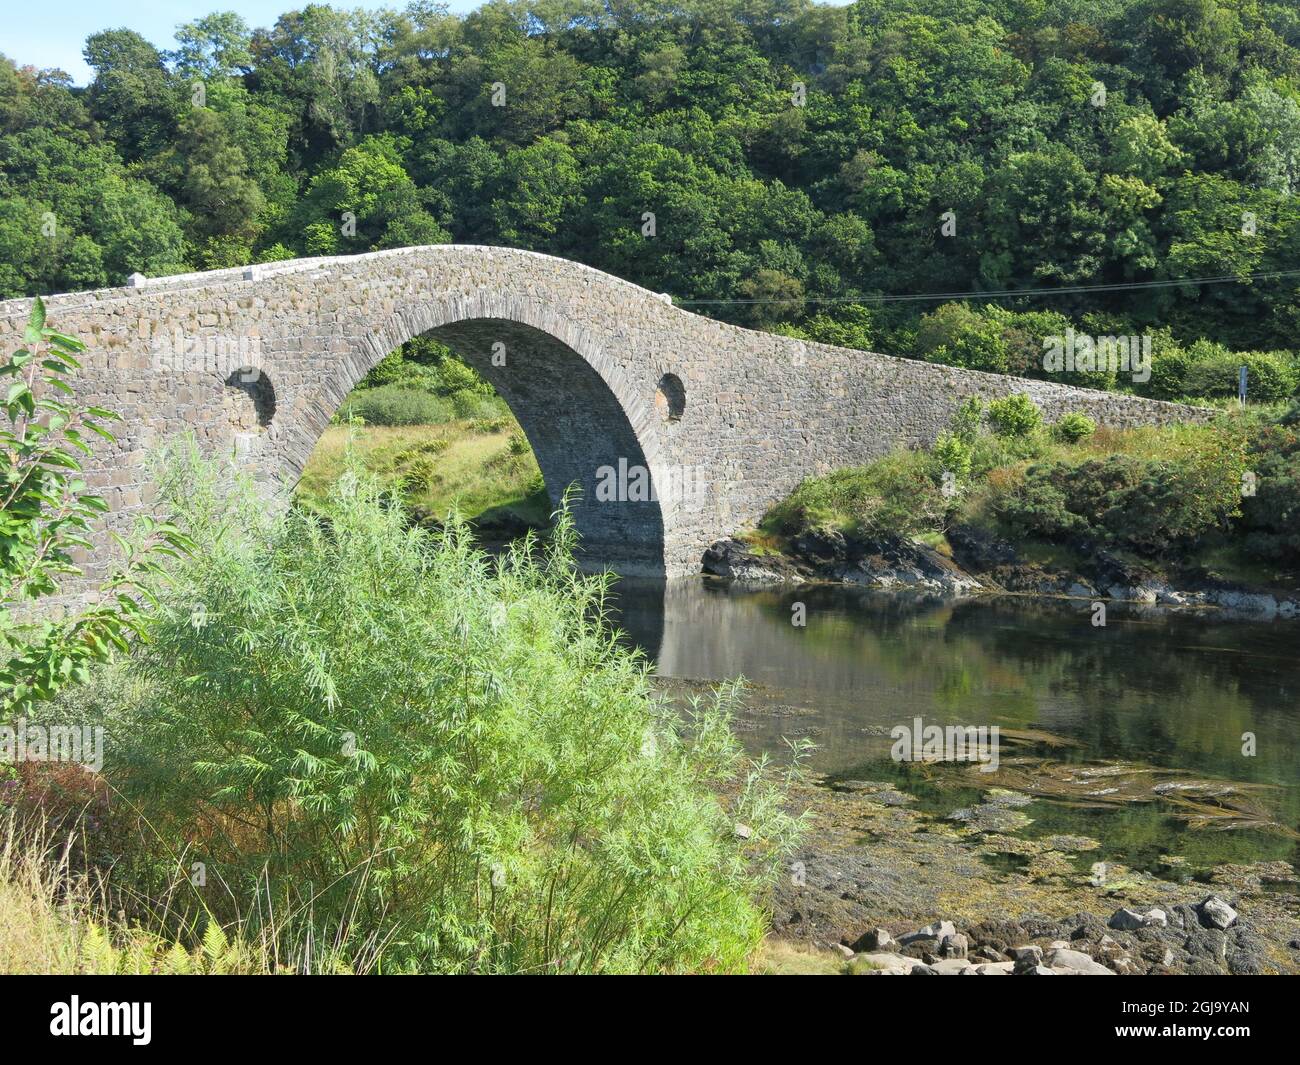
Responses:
[780,957]
[483,468]
[57,920]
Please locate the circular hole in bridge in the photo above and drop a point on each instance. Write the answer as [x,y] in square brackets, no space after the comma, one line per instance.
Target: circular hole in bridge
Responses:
[250,400]
[670,397]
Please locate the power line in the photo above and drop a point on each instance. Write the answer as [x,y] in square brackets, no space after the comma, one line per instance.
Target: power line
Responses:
[1012,293]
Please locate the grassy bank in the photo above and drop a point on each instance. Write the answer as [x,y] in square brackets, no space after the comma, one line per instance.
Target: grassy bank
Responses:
[1218,501]
[484,469]
[435,435]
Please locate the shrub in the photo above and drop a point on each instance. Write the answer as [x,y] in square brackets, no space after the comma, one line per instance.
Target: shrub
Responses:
[952,454]
[1169,366]
[1146,504]
[959,336]
[1270,519]
[446,755]
[395,405]
[966,422]
[896,495]
[1270,377]
[1073,427]
[46,513]
[1014,415]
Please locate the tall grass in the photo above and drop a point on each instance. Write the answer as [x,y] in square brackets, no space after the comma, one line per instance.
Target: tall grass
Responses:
[426,754]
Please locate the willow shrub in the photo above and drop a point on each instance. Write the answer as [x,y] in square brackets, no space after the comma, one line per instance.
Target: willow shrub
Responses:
[426,749]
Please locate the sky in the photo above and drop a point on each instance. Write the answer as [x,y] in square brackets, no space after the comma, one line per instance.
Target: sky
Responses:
[32,33]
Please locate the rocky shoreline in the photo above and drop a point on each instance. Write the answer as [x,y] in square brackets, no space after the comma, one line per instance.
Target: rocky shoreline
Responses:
[882,889]
[981,565]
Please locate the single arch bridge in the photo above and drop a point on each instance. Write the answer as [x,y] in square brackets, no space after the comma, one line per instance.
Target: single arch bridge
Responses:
[615,387]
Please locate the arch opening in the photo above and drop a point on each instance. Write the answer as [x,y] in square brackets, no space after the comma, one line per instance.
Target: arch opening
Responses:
[546,403]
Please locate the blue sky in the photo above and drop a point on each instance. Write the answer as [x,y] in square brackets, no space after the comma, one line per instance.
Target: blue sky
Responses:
[37,35]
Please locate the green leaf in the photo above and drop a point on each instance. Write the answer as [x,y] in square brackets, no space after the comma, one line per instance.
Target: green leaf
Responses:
[35,322]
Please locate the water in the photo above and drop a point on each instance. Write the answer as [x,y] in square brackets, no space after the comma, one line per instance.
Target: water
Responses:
[1170,696]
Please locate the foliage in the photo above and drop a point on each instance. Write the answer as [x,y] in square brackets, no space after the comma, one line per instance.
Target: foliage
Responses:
[395,405]
[1270,518]
[1073,426]
[451,756]
[341,130]
[896,495]
[1155,506]
[1014,415]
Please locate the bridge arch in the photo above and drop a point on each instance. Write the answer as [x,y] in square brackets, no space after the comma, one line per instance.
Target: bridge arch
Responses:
[587,424]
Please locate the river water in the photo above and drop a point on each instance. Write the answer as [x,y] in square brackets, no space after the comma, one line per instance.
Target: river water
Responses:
[1138,734]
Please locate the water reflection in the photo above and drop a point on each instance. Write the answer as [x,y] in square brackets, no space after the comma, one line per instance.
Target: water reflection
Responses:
[1169,689]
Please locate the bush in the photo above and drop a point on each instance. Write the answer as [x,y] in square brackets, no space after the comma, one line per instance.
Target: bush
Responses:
[1014,416]
[1169,366]
[1270,376]
[448,756]
[896,495]
[967,419]
[953,454]
[1270,519]
[395,405]
[1073,427]
[1148,505]
[959,336]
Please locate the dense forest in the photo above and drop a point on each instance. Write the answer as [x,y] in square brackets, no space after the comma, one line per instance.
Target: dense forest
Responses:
[780,163]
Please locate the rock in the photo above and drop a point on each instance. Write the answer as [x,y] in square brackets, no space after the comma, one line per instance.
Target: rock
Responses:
[1215,913]
[935,931]
[991,955]
[877,939]
[1126,920]
[924,970]
[952,967]
[728,558]
[1074,963]
[743,831]
[848,952]
[1261,605]
[882,964]
[1033,955]
[820,546]
[954,946]
[995,968]
[1033,970]
[1080,591]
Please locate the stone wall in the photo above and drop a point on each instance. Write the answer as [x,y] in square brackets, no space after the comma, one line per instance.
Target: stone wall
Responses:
[600,372]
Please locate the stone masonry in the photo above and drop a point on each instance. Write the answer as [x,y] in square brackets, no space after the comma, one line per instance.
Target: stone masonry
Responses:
[606,379]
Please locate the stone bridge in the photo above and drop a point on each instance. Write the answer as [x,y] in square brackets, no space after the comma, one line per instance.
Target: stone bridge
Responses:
[607,379]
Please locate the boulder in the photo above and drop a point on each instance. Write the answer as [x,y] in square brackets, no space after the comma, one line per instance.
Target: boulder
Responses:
[877,939]
[934,932]
[1215,913]
[954,946]
[1126,920]
[1074,963]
